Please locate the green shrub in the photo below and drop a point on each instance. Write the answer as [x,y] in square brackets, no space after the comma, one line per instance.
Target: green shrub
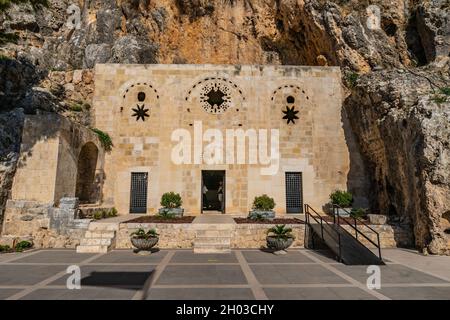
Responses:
[445,90]
[281,232]
[112,212]
[5,248]
[352,79]
[264,203]
[171,200]
[358,213]
[22,245]
[341,198]
[105,139]
[141,234]
[98,215]
[439,99]
[76,107]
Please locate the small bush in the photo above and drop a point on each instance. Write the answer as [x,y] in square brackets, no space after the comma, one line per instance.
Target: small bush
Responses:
[341,198]
[98,215]
[359,213]
[264,203]
[171,200]
[141,234]
[439,99]
[5,248]
[445,90]
[76,107]
[22,245]
[112,212]
[281,232]
[105,139]
[352,79]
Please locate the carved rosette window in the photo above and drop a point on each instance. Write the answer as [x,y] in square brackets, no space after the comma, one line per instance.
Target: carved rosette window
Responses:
[215,97]
[139,100]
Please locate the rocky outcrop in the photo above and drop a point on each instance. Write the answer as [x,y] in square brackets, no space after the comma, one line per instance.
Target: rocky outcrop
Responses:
[402,123]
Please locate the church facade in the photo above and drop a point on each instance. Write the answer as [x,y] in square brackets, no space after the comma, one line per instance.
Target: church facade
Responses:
[220,135]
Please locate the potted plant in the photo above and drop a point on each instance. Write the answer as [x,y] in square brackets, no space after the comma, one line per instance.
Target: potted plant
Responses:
[279,238]
[344,200]
[171,203]
[262,208]
[144,240]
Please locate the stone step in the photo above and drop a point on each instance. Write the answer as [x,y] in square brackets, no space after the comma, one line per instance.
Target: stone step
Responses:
[92,249]
[100,234]
[213,227]
[212,249]
[95,241]
[213,233]
[213,240]
[103,226]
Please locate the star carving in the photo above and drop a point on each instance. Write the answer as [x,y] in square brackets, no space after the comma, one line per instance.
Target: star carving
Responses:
[290,114]
[140,112]
[215,97]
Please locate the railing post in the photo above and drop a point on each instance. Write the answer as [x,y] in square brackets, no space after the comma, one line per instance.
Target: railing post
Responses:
[379,246]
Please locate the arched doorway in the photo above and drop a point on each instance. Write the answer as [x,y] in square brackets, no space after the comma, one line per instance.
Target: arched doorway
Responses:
[87,163]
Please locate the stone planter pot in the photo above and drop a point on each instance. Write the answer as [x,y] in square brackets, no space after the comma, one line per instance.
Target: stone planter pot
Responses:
[377,218]
[144,244]
[278,244]
[178,212]
[254,214]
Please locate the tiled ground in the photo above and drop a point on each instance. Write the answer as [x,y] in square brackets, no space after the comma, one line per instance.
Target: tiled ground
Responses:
[241,275]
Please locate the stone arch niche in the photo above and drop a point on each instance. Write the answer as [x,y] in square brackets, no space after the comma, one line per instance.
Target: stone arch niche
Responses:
[215,100]
[86,169]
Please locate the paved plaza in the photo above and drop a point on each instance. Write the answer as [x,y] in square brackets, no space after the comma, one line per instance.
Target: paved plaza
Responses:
[241,275]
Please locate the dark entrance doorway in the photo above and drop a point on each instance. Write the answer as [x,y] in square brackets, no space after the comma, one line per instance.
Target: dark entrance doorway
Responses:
[294,192]
[213,190]
[138,192]
[87,162]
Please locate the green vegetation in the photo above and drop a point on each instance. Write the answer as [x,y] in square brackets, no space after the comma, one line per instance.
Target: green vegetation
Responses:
[166,214]
[264,203]
[439,99]
[76,107]
[141,234]
[171,200]
[351,79]
[341,198]
[359,213]
[104,213]
[22,245]
[105,139]
[5,248]
[280,232]
[445,91]
[8,37]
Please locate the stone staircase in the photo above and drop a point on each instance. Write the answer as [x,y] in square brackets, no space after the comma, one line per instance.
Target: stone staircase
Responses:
[213,234]
[99,238]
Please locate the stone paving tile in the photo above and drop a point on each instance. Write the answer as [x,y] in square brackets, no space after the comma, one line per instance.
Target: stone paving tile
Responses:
[92,293]
[26,274]
[111,275]
[324,256]
[5,293]
[7,256]
[190,257]
[392,273]
[269,257]
[128,256]
[202,274]
[200,294]
[417,293]
[328,293]
[57,256]
[295,274]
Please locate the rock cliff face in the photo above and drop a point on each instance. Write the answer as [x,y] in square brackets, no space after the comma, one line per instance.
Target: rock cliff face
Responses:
[400,123]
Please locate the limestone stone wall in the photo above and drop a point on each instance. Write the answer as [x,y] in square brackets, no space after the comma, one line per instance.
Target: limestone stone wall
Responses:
[254,235]
[250,236]
[171,235]
[49,152]
[256,96]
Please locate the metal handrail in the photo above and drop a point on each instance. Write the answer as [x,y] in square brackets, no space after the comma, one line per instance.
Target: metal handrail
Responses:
[355,227]
[308,215]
